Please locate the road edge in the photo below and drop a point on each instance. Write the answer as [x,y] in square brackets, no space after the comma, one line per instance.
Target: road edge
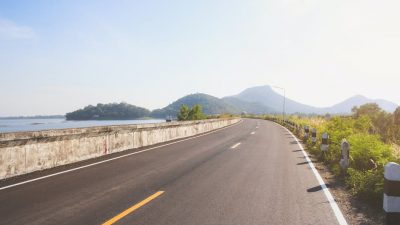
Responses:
[335,208]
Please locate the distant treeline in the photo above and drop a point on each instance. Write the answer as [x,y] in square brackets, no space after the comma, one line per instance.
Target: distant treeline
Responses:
[112,111]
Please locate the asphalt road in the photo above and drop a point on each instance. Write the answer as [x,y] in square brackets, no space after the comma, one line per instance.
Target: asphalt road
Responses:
[263,180]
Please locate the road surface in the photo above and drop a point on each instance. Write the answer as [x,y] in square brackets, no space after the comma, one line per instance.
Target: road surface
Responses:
[250,173]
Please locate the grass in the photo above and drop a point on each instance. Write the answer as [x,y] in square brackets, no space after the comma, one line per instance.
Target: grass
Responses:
[368,153]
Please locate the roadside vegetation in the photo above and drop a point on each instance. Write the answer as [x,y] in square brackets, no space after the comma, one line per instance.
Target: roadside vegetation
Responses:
[194,113]
[374,137]
[221,116]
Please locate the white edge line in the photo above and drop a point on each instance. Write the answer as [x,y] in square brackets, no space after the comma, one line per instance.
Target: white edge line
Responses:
[253,132]
[336,210]
[235,145]
[115,158]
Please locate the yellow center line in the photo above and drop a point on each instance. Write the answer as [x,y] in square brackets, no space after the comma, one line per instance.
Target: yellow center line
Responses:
[133,208]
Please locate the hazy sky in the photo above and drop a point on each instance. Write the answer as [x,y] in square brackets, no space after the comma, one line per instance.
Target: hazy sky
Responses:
[57,56]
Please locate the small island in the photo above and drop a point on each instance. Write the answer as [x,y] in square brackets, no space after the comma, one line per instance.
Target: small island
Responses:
[112,111]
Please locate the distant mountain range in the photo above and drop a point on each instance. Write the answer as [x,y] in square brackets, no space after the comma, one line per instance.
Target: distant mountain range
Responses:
[348,104]
[266,96]
[255,100]
[263,99]
[212,105]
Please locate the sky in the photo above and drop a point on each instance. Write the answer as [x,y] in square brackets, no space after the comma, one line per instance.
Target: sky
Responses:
[58,56]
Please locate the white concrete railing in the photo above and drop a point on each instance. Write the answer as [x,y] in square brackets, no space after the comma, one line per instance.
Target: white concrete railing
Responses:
[25,152]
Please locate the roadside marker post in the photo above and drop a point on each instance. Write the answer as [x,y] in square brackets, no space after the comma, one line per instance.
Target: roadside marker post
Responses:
[298,129]
[306,132]
[391,196]
[314,136]
[324,142]
[344,161]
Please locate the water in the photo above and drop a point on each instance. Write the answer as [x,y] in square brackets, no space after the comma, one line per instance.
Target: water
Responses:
[16,125]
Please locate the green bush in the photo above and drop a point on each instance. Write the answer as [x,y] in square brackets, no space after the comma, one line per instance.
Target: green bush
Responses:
[195,113]
[367,185]
[368,151]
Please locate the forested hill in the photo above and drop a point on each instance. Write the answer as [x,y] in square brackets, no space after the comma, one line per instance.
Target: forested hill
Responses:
[255,100]
[210,105]
[112,111]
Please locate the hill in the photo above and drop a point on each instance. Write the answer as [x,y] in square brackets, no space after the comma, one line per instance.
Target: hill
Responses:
[248,107]
[348,104]
[112,111]
[210,105]
[267,97]
[255,100]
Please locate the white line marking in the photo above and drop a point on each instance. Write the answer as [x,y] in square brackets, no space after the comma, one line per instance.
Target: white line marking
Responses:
[253,132]
[234,146]
[339,216]
[256,127]
[118,157]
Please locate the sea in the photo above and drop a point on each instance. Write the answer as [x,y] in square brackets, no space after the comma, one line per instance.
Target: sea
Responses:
[19,125]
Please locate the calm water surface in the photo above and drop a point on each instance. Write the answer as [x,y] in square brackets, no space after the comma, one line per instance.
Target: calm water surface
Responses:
[15,125]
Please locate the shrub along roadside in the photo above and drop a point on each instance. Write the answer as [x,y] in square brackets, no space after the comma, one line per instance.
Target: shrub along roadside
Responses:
[194,113]
[368,153]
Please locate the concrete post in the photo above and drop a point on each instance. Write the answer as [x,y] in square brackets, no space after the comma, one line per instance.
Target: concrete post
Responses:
[391,196]
[314,135]
[324,142]
[306,132]
[344,161]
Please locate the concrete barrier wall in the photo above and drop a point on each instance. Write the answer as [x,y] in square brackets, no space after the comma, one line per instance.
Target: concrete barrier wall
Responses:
[25,152]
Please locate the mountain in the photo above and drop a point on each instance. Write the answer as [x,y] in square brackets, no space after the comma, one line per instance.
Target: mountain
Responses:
[255,100]
[348,104]
[248,107]
[267,97]
[210,105]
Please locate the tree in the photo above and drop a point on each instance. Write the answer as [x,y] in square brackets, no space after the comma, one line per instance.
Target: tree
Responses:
[383,123]
[370,109]
[183,113]
[113,111]
[396,116]
[195,113]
